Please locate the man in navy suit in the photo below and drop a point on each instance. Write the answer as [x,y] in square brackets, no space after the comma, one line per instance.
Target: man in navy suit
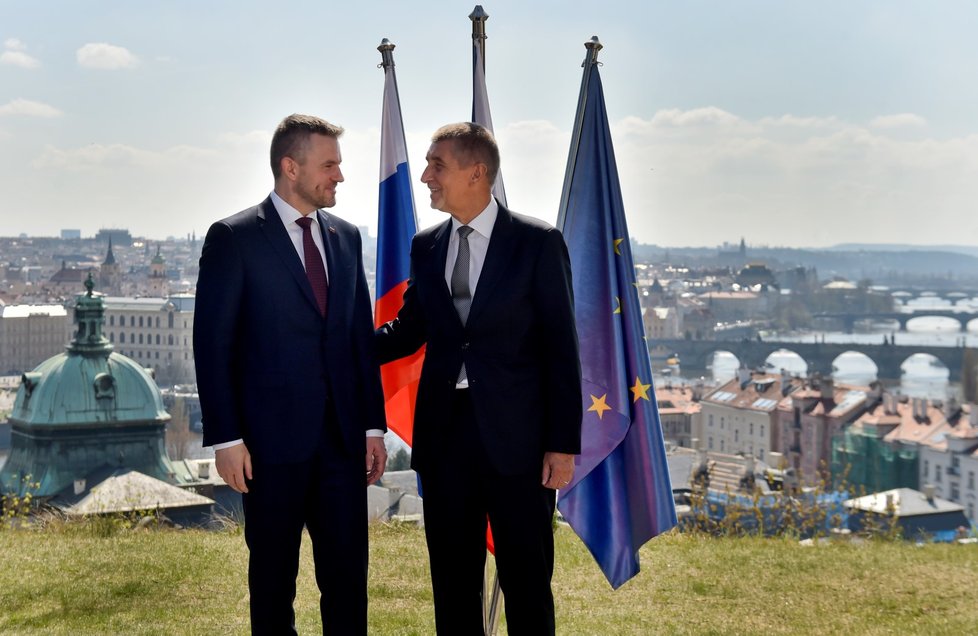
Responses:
[289,386]
[498,415]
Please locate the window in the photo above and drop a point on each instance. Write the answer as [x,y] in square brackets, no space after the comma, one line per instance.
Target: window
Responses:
[122,336]
[721,423]
[169,320]
[937,473]
[737,435]
[140,338]
[752,429]
[111,336]
[711,444]
[926,468]
[762,430]
[971,480]
[169,340]
[710,420]
[157,338]
[955,492]
[140,321]
[157,322]
[112,321]
[722,445]
[132,321]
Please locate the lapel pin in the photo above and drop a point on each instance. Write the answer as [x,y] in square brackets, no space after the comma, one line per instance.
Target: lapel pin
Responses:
[332,230]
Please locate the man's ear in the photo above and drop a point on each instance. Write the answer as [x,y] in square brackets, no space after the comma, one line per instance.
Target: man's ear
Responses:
[289,168]
[479,172]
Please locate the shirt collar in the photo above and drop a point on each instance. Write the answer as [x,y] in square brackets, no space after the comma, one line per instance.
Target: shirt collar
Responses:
[287,213]
[483,222]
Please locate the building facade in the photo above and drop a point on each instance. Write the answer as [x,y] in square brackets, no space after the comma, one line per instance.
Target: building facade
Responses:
[155,332]
[811,418]
[30,334]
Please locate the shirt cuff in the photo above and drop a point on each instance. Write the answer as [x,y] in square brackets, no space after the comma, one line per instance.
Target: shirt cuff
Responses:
[224,445]
[375,432]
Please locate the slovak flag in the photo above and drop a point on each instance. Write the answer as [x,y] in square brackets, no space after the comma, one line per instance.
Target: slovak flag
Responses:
[396,225]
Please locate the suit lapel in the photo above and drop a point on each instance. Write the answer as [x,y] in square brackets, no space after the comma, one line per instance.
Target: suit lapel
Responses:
[278,236]
[434,266]
[501,245]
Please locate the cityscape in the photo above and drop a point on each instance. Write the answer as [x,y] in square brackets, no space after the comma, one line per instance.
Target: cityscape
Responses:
[769,373]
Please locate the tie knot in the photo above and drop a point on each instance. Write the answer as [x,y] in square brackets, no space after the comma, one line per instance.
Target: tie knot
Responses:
[464,231]
[304,222]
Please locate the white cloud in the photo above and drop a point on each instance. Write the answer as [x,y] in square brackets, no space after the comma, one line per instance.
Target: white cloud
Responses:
[902,120]
[107,57]
[261,138]
[95,157]
[29,108]
[19,58]
[15,55]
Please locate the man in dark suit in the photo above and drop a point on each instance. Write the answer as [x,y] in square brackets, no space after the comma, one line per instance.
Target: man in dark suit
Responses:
[498,415]
[289,385]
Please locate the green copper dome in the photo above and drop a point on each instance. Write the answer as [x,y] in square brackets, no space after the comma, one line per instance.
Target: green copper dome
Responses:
[89,384]
[85,410]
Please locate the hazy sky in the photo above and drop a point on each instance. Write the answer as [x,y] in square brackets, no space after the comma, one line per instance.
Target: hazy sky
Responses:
[787,123]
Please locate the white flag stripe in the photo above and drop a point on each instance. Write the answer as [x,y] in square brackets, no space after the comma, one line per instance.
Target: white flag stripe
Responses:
[392,150]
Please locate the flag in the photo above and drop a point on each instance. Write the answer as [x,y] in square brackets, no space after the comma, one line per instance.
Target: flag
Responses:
[480,108]
[621,495]
[396,225]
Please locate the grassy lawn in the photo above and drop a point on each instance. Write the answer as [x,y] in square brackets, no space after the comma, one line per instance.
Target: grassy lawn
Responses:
[71,580]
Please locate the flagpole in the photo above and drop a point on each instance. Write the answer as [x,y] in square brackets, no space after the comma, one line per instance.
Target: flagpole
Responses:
[593,46]
[386,49]
[479,17]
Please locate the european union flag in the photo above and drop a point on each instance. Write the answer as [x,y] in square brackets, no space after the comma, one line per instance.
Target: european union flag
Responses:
[396,226]
[621,495]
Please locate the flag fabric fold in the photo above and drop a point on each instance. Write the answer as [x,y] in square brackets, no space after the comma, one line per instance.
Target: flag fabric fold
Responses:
[621,495]
[396,226]
[480,108]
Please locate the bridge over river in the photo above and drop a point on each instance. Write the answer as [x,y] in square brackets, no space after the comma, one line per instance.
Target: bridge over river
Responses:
[696,355]
[848,320]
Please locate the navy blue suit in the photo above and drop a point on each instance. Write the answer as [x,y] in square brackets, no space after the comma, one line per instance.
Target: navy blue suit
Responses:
[301,391]
[480,451]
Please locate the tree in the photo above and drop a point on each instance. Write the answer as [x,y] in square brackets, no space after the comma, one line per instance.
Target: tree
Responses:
[401,460]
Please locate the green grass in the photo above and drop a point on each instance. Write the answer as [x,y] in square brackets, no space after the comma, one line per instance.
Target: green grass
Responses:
[87,580]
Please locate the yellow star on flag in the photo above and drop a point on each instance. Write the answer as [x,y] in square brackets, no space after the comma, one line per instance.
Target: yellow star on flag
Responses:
[618,308]
[640,390]
[599,405]
[617,243]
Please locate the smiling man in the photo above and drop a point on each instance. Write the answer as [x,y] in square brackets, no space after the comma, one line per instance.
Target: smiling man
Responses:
[289,385]
[498,415]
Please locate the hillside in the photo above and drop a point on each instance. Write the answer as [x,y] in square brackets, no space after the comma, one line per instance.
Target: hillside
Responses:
[75,581]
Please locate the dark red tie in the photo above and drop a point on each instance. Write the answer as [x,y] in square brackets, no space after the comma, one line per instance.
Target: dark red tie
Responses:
[315,271]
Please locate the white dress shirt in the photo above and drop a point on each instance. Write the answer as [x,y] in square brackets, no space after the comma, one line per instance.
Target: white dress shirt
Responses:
[289,215]
[481,226]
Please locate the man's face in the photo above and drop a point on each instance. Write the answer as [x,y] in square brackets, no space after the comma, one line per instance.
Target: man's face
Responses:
[449,184]
[318,172]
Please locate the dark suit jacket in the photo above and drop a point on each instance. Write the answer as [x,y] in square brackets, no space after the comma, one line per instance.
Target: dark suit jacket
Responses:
[267,362]
[519,345]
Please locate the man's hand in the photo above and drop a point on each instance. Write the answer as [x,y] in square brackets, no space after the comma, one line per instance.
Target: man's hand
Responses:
[558,470]
[234,466]
[376,459]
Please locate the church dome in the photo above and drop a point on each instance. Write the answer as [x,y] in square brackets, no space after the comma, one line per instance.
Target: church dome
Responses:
[84,411]
[89,384]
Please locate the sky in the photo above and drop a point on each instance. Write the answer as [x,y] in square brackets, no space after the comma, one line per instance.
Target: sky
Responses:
[785,123]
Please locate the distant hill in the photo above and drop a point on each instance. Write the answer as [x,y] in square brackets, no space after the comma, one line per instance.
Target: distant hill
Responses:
[927,266]
[970,250]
